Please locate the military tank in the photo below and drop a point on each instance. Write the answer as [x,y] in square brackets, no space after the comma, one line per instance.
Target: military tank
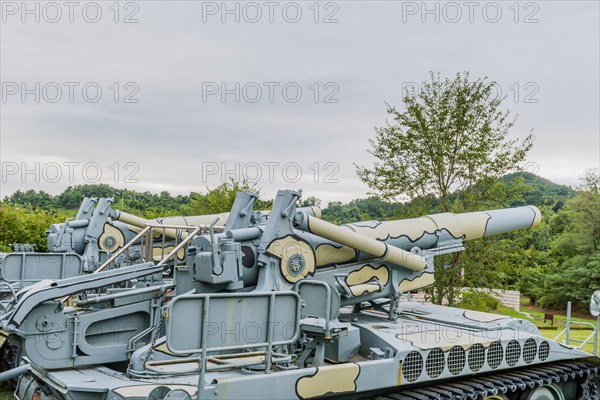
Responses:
[289,307]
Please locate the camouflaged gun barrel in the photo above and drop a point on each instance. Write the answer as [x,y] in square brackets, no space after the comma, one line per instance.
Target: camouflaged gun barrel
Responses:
[393,240]
[196,220]
[429,229]
[365,244]
[140,223]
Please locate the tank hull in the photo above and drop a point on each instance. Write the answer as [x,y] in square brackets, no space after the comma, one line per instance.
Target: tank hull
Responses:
[428,346]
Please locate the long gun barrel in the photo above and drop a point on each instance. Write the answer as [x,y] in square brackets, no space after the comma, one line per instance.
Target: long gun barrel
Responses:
[467,226]
[197,220]
[365,244]
[392,240]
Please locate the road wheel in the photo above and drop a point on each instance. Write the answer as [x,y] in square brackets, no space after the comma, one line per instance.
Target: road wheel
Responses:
[545,392]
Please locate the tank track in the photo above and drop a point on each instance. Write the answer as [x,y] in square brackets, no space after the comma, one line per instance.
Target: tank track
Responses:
[504,383]
[8,360]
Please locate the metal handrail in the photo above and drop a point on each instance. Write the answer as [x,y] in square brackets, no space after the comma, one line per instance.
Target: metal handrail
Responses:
[148,231]
[6,304]
[180,245]
[584,341]
[149,227]
[122,250]
[327,315]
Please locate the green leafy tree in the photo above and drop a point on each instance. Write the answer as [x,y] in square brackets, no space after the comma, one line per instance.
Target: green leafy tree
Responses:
[451,137]
[33,199]
[445,151]
[573,280]
[25,225]
[310,202]
[575,273]
[221,198]
[371,208]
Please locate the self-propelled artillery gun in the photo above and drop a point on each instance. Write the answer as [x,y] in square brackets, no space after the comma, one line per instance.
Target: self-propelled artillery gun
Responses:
[290,307]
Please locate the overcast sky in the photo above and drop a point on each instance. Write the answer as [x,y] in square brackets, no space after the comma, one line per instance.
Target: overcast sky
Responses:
[178,95]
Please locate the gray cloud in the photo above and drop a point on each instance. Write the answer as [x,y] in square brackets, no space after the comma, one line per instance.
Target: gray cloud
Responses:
[365,58]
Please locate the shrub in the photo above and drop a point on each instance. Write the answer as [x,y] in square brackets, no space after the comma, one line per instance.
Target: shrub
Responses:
[478,301]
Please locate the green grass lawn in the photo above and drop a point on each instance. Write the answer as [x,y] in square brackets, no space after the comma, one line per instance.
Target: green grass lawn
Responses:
[575,334]
[560,316]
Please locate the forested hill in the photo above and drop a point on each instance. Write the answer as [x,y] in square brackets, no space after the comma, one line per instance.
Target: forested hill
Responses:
[541,191]
[538,191]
